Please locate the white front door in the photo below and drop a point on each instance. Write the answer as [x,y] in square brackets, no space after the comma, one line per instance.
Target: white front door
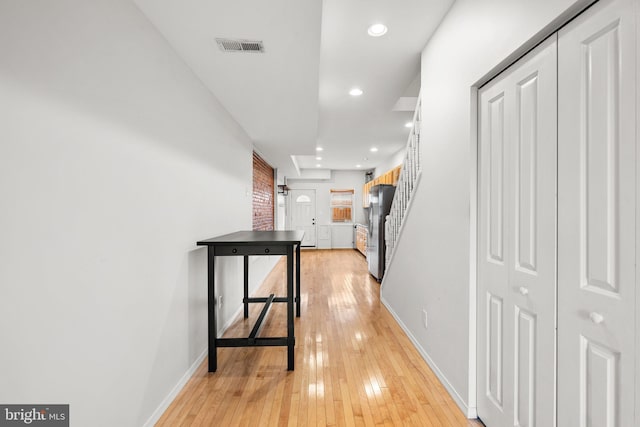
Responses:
[303,214]
[597,217]
[517,243]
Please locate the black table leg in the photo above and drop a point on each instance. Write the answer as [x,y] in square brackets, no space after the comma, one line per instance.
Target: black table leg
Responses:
[213,331]
[246,286]
[290,297]
[298,297]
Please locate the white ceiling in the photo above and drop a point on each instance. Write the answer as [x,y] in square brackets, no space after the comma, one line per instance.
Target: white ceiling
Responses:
[294,96]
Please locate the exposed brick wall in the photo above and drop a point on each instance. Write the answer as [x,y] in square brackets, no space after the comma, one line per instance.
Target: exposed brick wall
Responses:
[263,194]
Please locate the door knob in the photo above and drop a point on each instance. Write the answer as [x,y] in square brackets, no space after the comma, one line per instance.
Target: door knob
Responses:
[596,318]
[524,291]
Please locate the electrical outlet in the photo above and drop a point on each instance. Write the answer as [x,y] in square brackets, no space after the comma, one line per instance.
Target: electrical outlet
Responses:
[425,318]
[219,301]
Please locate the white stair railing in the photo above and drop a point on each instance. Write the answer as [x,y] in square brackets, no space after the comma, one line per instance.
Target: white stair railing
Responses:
[411,170]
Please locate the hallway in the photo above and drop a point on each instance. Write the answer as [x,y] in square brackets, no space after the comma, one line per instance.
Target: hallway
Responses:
[354,365]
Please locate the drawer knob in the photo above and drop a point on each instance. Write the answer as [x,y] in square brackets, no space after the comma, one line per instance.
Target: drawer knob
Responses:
[596,318]
[524,291]
[234,250]
[266,251]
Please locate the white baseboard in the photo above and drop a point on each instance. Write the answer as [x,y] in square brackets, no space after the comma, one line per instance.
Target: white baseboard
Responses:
[232,318]
[187,376]
[468,411]
[192,369]
[176,390]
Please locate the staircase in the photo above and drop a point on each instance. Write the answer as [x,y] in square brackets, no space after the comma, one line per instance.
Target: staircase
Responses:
[409,176]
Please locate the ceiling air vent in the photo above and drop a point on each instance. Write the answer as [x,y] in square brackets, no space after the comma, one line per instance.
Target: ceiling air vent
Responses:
[236,45]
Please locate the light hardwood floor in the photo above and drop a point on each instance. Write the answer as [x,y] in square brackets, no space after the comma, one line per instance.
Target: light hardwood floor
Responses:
[354,365]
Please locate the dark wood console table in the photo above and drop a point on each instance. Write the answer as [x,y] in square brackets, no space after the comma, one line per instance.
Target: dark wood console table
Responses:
[248,243]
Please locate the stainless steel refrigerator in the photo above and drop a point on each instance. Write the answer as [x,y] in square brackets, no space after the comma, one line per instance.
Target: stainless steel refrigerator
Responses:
[380,198]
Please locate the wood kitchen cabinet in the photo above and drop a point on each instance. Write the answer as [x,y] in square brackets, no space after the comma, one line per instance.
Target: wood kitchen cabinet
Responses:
[361,238]
[390,177]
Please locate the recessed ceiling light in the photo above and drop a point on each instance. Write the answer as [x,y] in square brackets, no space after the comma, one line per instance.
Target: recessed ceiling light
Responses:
[318,148]
[373,149]
[377,30]
[318,158]
[358,166]
[408,124]
[355,92]
[318,165]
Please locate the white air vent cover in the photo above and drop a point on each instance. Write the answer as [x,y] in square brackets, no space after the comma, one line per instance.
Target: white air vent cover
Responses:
[237,45]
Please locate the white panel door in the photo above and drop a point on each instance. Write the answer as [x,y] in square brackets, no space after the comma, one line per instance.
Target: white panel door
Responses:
[303,215]
[517,241]
[493,369]
[596,217]
[637,324]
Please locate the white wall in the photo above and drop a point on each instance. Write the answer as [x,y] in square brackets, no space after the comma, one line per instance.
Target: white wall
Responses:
[396,159]
[340,179]
[432,266]
[114,161]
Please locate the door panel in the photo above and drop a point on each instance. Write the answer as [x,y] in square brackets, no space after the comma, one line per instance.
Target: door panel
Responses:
[303,214]
[598,184]
[494,364]
[596,217]
[525,367]
[495,368]
[526,174]
[599,381]
[496,175]
[516,265]
[637,322]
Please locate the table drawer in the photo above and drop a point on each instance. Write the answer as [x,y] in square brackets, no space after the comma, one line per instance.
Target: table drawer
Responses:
[250,250]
